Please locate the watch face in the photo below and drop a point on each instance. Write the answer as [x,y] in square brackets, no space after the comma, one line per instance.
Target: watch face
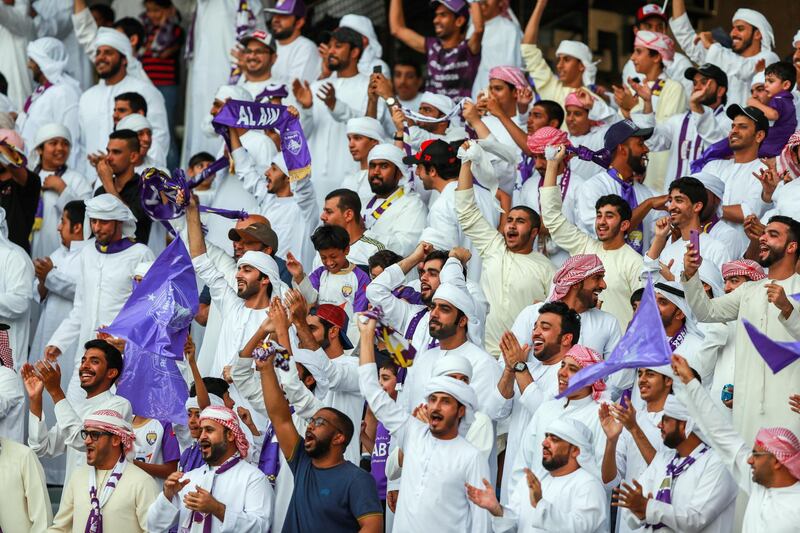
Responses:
[519,367]
[391,101]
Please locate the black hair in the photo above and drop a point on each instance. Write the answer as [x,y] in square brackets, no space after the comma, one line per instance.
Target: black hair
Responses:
[199,157]
[161,3]
[792,224]
[691,187]
[75,211]
[344,423]
[136,100]
[623,208]
[130,27]
[348,199]
[446,171]
[112,355]
[390,365]
[383,259]
[408,62]
[305,373]
[215,386]
[536,220]
[553,110]
[3,84]
[326,237]
[570,320]
[636,296]
[106,12]
[783,70]
[441,255]
[130,136]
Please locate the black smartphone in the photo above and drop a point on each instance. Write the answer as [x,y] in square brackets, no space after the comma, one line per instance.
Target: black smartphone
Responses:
[376,69]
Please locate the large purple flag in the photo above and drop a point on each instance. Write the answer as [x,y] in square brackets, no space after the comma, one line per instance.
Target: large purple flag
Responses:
[160,309]
[154,386]
[255,116]
[777,355]
[643,345]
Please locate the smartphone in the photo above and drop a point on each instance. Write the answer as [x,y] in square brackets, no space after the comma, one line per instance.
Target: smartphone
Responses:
[694,238]
[625,400]
[636,79]
[377,69]
[727,393]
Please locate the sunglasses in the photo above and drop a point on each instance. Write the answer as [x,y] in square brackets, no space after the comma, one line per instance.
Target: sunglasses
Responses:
[319,421]
[93,435]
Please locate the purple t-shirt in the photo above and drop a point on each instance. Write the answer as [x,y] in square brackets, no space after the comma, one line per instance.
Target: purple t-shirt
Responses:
[378,460]
[781,129]
[451,71]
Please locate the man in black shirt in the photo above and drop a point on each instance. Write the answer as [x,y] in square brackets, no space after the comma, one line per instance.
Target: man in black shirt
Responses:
[118,177]
[19,190]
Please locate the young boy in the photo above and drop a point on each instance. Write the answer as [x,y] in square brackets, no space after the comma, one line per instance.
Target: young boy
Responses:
[337,281]
[779,79]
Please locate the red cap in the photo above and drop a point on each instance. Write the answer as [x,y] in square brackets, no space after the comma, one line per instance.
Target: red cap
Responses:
[650,10]
[336,316]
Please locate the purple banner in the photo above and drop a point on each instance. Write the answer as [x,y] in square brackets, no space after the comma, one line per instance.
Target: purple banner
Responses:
[255,116]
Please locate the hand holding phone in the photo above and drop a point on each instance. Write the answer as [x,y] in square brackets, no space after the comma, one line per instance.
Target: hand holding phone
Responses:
[694,239]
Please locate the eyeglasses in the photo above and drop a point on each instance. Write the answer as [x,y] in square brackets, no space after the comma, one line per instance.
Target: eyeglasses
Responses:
[93,435]
[258,52]
[318,421]
[756,454]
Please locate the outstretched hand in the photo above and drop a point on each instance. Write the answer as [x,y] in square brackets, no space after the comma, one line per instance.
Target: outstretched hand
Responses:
[484,498]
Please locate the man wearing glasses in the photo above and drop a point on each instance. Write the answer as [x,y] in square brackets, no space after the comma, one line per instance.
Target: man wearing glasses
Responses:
[109,493]
[100,367]
[769,472]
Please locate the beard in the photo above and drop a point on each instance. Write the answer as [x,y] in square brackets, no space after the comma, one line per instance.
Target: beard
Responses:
[381,188]
[216,452]
[319,448]
[745,44]
[283,34]
[637,165]
[673,439]
[112,71]
[443,331]
[773,257]
[554,463]
[709,99]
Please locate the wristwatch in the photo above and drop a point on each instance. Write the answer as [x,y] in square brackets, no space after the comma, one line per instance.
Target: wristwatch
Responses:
[392,101]
[520,366]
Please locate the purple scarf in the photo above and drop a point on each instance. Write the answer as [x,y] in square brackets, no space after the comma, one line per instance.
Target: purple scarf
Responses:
[674,470]
[94,524]
[628,193]
[205,518]
[115,246]
[191,458]
[677,339]
[255,116]
[39,91]
[269,461]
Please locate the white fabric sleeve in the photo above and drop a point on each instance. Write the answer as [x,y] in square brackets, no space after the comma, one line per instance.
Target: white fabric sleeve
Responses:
[257,512]
[397,313]
[386,410]
[85,31]
[70,424]
[61,283]
[44,442]
[163,514]
[684,33]
[15,297]
[248,385]
[70,328]
[252,180]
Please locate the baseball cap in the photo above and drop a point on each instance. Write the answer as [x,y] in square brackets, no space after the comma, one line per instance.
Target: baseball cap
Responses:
[434,152]
[621,131]
[335,315]
[650,10]
[456,6]
[296,8]
[349,36]
[259,231]
[261,36]
[753,113]
[709,71]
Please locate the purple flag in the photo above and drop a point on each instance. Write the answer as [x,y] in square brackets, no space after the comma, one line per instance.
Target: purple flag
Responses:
[255,116]
[777,355]
[643,345]
[154,386]
[160,309]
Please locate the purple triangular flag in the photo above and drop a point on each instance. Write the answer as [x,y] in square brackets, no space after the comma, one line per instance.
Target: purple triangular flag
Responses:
[643,345]
[777,355]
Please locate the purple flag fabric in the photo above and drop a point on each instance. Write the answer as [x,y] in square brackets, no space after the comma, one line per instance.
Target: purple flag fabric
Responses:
[777,355]
[255,116]
[154,385]
[643,345]
[160,309]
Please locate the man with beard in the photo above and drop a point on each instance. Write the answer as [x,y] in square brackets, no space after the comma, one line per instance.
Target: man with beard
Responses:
[104,281]
[244,308]
[530,375]
[582,405]
[394,216]
[685,487]
[343,208]
[118,177]
[760,394]
[685,202]
[453,323]
[99,368]
[327,104]
[453,58]
[747,192]
[579,284]
[612,221]
[227,493]
[512,273]
[298,56]
[568,497]
[119,494]
[769,472]
[56,96]
[683,334]
[258,57]
[363,134]
[330,493]
[96,105]
[625,141]
[628,452]
[752,43]
[711,215]
[687,135]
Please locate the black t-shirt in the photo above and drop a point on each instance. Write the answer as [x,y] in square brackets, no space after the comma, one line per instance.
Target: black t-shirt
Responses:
[131,197]
[20,203]
[329,499]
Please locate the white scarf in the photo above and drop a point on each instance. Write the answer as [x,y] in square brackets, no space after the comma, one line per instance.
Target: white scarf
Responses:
[94,524]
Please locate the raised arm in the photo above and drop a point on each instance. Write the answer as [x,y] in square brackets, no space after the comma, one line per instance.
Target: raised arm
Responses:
[201,392]
[278,408]
[197,243]
[398,28]
[531,34]
[476,17]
